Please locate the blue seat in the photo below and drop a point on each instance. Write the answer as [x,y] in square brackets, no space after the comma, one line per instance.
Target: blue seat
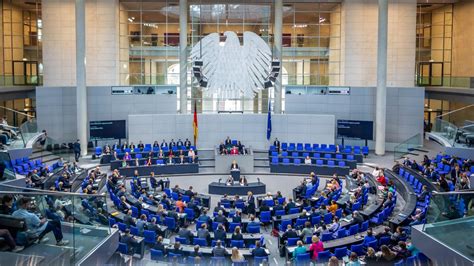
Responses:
[399,263]
[189,213]
[411,261]
[281,200]
[112,222]
[365,150]
[172,257]
[275,160]
[181,240]
[297,161]
[98,151]
[317,156]
[331,163]
[309,240]
[356,206]
[341,164]
[135,213]
[326,237]
[265,216]
[122,227]
[280,212]
[385,240]
[300,222]
[324,256]
[378,219]
[292,241]
[122,248]
[339,156]
[237,243]
[294,154]
[284,224]
[294,210]
[171,223]
[305,257]
[373,244]
[274,154]
[315,220]
[364,226]
[340,252]
[358,249]
[286,161]
[284,146]
[319,162]
[350,157]
[253,229]
[328,218]
[339,213]
[341,233]
[150,237]
[232,226]
[156,254]
[200,242]
[284,154]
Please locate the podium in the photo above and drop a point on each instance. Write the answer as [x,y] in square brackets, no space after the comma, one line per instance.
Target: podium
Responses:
[235,173]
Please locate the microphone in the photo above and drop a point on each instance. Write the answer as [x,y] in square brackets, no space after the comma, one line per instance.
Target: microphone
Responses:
[258,180]
[220,180]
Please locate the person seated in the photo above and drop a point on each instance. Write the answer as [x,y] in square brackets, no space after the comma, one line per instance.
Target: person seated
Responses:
[333,207]
[289,233]
[386,255]
[402,251]
[234,151]
[381,179]
[36,225]
[264,207]
[220,233]
[153,226]
[300,249]
[196,253]
[353,260]
[228,142]
[185,233]
[180,204]
[7,205]
[129,240]
[220,218]
[7,237]
[236,255]
[204,217]
[237,217]
[222,149]
[177,249]
[229,181]
[128,219]
[335,226]
[234,165]
[241,148]
[369,237]
[307,230]
[290,205]
[252,221]
[204,233]
[315,247]
[181,159]
[307,160]
[219,250]
[172,144]
[243,181]
[159,245]
[357,217]
[370,257]
[170,159]
[237,235]
[141,224]
[187,143]
[179,143]
[192,155]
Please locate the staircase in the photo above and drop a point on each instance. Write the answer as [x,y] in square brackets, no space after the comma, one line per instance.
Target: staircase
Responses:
[207,161]
[261,162]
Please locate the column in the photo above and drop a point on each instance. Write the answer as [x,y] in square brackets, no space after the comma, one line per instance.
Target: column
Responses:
[81,90]
[381,94]
[183,55]
[277,53]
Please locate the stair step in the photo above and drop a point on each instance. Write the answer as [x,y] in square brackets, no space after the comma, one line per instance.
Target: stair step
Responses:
[261,166]
[206,166]
[206,163]
[261,159]
[206,159]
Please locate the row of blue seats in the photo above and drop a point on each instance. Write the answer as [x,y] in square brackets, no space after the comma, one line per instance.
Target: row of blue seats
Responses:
[315,155]
[298,161]
[146,149]
[24,165]
[323,147]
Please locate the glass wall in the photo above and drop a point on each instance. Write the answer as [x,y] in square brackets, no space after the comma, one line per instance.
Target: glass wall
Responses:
[149,39]
[20,47]
[434,44]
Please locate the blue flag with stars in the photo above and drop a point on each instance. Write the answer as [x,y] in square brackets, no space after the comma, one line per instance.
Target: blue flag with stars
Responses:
[269,121]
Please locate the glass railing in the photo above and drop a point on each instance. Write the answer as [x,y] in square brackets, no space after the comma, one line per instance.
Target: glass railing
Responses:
[83,219]
[445,129]
[6,170]
[21,80]
[446,81]
[455,127]
[451,223]
[407,146]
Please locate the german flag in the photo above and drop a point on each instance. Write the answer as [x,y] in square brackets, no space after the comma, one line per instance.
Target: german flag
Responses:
[195,123]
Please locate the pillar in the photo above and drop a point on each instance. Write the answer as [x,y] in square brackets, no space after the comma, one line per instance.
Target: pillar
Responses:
[81,90]
[183,55]
[381,94]
[277,53]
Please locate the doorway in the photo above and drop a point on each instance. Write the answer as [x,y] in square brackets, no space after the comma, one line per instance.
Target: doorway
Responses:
[25,73]
[430,74]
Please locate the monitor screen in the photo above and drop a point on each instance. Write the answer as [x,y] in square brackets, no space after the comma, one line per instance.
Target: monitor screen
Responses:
[355,129]
[104,130]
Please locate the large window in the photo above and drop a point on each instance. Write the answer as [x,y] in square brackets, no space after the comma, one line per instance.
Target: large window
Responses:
[149,39]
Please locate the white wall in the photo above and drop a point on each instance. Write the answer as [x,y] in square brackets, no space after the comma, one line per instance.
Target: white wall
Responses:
[359,42]
[249,128]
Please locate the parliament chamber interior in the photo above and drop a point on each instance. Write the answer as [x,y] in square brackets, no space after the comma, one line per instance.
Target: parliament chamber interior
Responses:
[270,132]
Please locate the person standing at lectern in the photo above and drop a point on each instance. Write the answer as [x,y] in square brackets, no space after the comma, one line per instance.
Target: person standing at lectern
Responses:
[276,143]
[234,165]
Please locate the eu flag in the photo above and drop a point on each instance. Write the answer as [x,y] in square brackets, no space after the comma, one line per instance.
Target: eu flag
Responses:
[269,121]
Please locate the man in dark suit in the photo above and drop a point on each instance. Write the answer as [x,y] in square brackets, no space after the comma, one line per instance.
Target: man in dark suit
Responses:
[424,192]
[455,173]
[179,143]
[290,205]
[204,233]
[258,251]
[276,143]
[220,218]
[250,203]
[264,207]
[186,234]
[189,192]
[290,233]
[77,150]
[237,217]
[164,144]
[222,149]
[220,233]
[128,219]
[228,142]
[128,239]
[277,207]
[172,144]
[187,143]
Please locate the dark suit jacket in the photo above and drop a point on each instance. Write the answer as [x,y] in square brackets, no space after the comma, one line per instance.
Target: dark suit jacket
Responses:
[237,236]
[259,252]
[220,235]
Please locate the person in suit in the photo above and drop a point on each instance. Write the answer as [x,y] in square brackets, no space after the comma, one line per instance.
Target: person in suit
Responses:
[250,203]
[237,235]
[222,149]
[357,217]
[252,221]
[219,250]
[196,253]
[290,205]
[241,148]
[204,233]
[164,144]
[220,218]
[264,207]
[128,219]
[258,251]
[228,142]
[243,181]
[140,145]
[187,143]
[189,192]
[186,234]
[456,174]
[237,217]
[220,233]
[159,245]
[129,240]
[276,143]
[289,233]
[156,144]
[124,145]
[153,226]
[77,150]
[172,144]
[177,249]
[179,143]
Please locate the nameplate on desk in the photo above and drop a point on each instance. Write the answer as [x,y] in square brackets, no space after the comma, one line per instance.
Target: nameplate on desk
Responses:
[115,213]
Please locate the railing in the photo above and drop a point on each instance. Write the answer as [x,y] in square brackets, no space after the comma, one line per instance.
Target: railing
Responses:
[84,228]
[407,146]
[21,80]
[452,224]
[453,126]
[8,172]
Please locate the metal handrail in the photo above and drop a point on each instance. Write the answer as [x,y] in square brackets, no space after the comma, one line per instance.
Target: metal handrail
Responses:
[16,111]
[47,192]
[469,191]
[450,112]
